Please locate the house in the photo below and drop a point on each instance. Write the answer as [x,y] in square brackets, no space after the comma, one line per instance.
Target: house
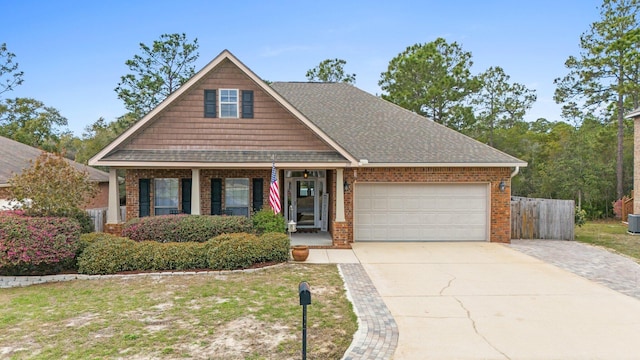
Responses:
[16,156]
[349,163]
[635,115]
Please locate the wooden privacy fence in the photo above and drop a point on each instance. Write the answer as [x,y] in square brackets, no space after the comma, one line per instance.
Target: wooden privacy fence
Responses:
[542,218]
[99,217]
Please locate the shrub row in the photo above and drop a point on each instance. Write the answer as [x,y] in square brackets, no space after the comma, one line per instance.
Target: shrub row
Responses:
[184,228]
[36,244]
[110,254]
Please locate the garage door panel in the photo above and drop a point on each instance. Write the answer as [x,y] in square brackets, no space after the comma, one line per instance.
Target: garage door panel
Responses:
[421,212]
[379,204]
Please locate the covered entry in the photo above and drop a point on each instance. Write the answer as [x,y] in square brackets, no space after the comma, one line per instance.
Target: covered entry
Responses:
[421,212]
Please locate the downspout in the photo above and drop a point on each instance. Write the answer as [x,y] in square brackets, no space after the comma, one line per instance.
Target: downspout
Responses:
[515,172]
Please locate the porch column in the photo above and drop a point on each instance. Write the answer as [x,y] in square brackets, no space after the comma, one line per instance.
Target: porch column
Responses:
[195,191]
[339,195]
[113,211]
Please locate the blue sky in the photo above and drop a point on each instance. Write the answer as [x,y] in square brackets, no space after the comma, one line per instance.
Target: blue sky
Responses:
[73,52]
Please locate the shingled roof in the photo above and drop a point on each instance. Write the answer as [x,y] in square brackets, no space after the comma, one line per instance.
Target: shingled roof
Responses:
[16,156]
[357,125]
[378,131]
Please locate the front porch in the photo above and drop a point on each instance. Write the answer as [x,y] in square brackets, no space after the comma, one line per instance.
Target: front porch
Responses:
[315,240]
[312,198]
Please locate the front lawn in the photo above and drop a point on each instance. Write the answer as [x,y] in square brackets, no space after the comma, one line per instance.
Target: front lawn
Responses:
[611,234]
[234,316]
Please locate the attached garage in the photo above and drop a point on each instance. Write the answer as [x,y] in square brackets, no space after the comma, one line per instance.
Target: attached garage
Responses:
[421,212]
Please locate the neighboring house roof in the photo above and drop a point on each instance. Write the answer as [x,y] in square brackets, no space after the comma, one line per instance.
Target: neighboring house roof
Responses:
[360,127]
[16,156]
[378,131]
[633,114]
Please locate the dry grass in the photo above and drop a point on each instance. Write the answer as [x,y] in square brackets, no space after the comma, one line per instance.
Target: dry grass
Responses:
[236,316]
[611,234]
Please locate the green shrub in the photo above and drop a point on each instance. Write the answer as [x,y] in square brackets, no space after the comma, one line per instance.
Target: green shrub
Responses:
[233,251]
[107,256]
[181,256]
[241,250]
[274,247]
[84,219]
[36,245]
[265,221]
[184,228]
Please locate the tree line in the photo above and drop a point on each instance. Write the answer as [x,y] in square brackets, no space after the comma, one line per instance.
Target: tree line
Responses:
[587,155]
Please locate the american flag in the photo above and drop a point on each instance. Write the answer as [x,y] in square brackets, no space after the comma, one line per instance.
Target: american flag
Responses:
[274,191]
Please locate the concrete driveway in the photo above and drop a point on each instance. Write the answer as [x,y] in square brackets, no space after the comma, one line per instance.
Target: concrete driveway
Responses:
[487,301]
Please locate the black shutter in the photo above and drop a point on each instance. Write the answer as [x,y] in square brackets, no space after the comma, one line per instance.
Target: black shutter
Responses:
[144,198]
[258,193]
[216,196]
[247,104]
[210,103]
[186,196]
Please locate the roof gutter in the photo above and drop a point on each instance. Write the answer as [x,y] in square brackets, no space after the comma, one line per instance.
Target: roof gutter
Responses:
[368,164]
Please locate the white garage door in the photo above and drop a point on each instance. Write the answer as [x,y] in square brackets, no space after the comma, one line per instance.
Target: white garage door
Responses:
[421,212]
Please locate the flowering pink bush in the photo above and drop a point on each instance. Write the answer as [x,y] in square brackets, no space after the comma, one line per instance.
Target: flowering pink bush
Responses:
[617,206]
[35,242]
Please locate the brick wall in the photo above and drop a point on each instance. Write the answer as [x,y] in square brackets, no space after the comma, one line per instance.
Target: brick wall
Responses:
[101,200]
[500,222]
[342,232]
[206,175]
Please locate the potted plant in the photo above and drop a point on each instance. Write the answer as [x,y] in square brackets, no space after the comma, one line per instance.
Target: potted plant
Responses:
[300,252]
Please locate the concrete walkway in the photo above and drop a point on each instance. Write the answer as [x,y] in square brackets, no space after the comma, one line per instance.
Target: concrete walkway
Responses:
[488,301]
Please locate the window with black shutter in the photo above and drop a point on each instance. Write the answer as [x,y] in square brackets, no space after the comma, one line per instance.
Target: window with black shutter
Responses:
[216,196]
[144,198]
[247,104]
[210,103]
[258,193]
[186,196]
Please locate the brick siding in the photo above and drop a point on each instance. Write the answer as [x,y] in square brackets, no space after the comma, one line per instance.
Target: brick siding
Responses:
[132,183]
[342,232]
[500,202]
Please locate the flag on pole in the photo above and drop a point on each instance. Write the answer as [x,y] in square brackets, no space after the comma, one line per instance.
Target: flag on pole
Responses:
[274,191]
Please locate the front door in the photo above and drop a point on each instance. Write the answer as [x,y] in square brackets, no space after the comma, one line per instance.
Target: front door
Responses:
[305,203]
[306,198]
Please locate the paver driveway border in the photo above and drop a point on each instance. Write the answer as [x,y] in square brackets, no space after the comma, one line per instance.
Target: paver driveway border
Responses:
[488,301]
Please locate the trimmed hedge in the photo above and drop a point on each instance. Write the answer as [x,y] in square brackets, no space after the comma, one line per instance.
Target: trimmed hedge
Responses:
[108,254]
[240,251]
[36,245]
[184,228]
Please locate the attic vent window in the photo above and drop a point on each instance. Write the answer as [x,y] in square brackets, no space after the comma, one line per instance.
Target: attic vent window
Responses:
[228,103]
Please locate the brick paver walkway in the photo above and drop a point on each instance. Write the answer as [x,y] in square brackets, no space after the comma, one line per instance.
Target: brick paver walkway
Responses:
[614,271]
[377,335]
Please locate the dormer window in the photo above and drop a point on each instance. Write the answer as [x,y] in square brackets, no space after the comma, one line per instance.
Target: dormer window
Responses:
[228,103]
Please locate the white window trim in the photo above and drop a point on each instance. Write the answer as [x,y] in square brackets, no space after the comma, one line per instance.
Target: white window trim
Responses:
[237,103]
[248,194]
[155,197]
